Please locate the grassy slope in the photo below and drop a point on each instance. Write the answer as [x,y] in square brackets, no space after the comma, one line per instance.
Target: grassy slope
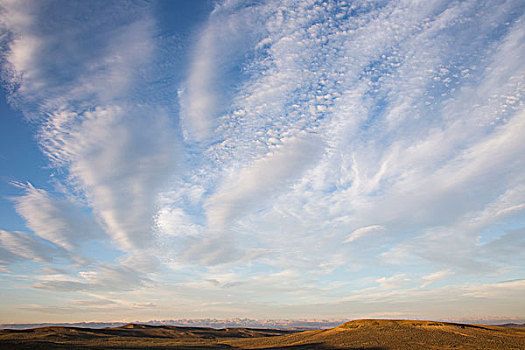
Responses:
[397,334]
[359,334]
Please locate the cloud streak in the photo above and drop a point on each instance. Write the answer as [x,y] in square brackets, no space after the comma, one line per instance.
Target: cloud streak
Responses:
[58,221]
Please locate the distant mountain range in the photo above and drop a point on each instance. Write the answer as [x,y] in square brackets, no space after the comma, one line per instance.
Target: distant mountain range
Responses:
[302,324]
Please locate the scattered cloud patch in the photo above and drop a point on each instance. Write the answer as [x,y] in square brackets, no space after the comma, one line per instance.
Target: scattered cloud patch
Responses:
[363,231]
[393,282]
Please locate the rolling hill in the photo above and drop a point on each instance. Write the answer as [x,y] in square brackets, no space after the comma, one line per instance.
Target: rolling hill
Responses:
[358,334]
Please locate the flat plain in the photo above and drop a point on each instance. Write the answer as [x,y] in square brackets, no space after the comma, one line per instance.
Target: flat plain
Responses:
[358,334]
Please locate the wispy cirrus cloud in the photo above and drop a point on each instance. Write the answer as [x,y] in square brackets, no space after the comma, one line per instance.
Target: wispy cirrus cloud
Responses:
[363,231]
[110,145]
[251,186]
[56,220]
[19,246]
[390,100]
[120,157]
[104,278]
[395,127]
[76,72]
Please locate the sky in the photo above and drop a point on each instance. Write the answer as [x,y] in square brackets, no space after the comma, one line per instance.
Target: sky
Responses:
[262,159]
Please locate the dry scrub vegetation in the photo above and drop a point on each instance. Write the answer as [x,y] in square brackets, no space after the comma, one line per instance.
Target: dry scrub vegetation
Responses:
[359,334]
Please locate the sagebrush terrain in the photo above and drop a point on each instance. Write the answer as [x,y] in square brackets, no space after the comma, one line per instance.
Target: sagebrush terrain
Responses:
[359,334]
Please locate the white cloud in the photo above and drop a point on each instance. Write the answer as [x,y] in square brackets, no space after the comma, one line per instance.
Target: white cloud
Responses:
[431,278]
[19,246]
[56,220]
[173,221]
[112,152]
[105,278]
[254,184]
[57,65]
[121,158]
[495,159]
[218,49]
[211,250]
[500,291]
[118,152]
[363,231]
[93,302]
[393,282]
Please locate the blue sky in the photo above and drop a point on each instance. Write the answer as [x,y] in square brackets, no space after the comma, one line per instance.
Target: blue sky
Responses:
[266,159]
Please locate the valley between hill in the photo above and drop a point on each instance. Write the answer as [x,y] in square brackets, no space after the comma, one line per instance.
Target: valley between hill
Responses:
[358,334]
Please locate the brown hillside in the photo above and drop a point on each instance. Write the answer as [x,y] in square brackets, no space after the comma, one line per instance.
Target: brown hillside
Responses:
[397,334]
[131,336]
[359,334]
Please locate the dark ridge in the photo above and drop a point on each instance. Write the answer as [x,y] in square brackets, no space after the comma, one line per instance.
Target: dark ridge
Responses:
[513,325]
[411,323]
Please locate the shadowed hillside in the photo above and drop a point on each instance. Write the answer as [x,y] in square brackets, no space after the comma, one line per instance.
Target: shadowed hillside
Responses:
[133,336]
[359,334]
